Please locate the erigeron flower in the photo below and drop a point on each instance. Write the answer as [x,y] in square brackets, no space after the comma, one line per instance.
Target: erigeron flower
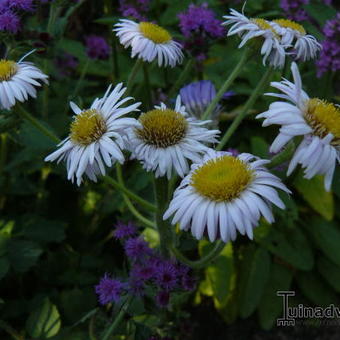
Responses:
[18,81]
[149,42]
[224,194]
[317,120]
[305,46]
[96,136]
[249,28]
[165,139]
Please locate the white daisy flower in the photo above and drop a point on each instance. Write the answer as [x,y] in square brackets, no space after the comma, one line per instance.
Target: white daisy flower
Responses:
[306,46]
[224,194]
[18,81]
[166,139]
[96,136]
[149,42]
[315,119]
[260,29]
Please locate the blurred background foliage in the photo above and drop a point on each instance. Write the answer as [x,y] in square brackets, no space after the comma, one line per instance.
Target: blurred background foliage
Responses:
[56,239]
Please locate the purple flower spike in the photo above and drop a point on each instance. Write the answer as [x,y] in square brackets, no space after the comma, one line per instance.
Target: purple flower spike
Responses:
[124,230]
[163,298]
[136,248]
[97,47]
[109,290]
[166,275]
[9,22]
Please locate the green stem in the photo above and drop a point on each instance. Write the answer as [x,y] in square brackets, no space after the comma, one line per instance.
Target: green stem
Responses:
[215,252]
[81,78]
[144,203]
[129,204]
[248,105]
[3,151]
[226,85]
[133,74]
[147,85]
[164,229]
[118,319]
[283,156]
[182,77]
[27,116]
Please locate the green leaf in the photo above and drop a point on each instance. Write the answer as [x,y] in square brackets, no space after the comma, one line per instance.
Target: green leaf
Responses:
[253,278]
[107,20]
[291,246]
[326,235]
[259,147]
[270,306]
[313,191]
[23,254]
[330,272]
[315,289]
[4,266]
[44,322]
[219,273]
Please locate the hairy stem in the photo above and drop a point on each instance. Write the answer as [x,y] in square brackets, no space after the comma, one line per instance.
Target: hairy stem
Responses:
[226,85]
[248,105]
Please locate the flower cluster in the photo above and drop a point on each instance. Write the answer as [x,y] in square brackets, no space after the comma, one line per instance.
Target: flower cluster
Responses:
[199,26]
[294,10]
[136,9]
[278,38]
[97,47]
[330,55]
[148,269]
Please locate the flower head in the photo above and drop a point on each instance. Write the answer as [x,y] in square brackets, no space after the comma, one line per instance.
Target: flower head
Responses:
[305,46]
[96,136]
[136,248]
[260,30]
[9,22]
[97,47]
[109,290]
[166,139]
[166,275]
[149,42]
[18,81]
[134,8]
[223,194]
[124,230]
[23,5]
[317,120]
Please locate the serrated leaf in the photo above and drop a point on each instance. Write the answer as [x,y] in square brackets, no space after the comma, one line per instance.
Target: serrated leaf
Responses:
[315,289]
[23,254]
[270,306]
[254,274]
[330,272]
[291,246]
[44,322]
[326,235]
[4,266]
[313,191]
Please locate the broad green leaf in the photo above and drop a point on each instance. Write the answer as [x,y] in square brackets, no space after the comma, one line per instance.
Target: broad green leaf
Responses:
[291,246]
[326,235]
[44,322]
[4,266]
[23,254]
[254,274]
[313,191]
[270,306]
[219,273]
[315,289]
[330,272]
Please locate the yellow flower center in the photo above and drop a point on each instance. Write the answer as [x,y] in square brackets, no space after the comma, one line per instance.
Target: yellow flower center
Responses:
[222,179]
[324,118]
[154,32]
[87,127]
[290,24]
[162,128]
[8,69]
[264,25]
